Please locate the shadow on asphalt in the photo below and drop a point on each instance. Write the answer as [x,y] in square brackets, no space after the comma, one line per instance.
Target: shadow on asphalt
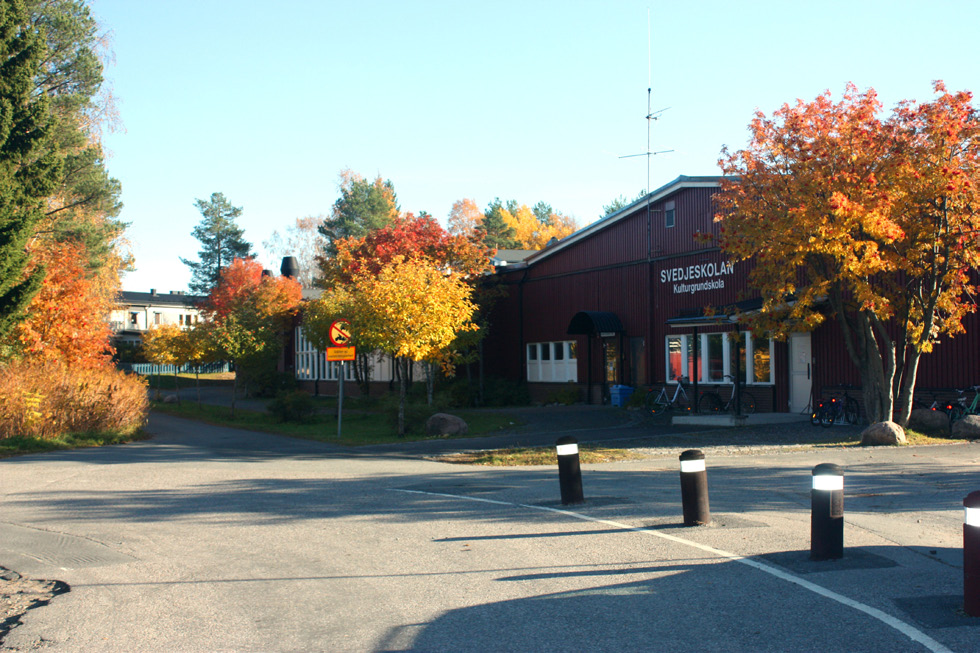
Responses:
[677,612]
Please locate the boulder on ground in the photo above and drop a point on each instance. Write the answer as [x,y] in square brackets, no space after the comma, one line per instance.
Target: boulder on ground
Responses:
[883,433]
[445,424]
[927,420]
[967,428]
[170,399]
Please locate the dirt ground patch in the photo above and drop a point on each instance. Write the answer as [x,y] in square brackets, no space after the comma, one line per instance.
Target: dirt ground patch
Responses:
[19,594]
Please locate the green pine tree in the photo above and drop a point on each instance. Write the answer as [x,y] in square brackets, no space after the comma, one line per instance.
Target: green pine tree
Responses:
[222,241]
[362,207]
[29,167]
[494,231]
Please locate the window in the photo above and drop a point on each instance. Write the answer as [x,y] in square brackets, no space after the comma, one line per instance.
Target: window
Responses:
[134,319]
[612,359]
[180,319]
[552,362]
[718,357]
[713,345]
[761,360]
[669,217]
[156,318]
[675,363]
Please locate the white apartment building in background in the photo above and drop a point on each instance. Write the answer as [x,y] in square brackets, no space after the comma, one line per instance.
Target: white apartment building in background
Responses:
[139,312]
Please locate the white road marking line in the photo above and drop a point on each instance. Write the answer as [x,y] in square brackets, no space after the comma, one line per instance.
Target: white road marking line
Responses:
[908,630]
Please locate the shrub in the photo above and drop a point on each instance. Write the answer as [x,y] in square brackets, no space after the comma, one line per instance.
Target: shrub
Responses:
[292,406]
[565,396]
[638,398]
[48,399]
[502,392]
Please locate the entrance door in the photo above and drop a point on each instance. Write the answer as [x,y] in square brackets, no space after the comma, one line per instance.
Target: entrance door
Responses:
[800,367]
[610,346]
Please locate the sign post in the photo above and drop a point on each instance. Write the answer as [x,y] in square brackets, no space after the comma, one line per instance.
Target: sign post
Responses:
[340,352]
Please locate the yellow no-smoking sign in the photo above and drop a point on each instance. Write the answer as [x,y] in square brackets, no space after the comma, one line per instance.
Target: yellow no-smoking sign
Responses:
[340,333]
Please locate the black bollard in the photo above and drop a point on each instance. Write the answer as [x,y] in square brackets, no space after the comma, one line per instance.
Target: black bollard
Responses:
[971,554]
[569,471]
[827,513]
[694,489]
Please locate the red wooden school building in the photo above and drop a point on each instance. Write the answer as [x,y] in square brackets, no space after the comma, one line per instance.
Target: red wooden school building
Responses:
[622,302]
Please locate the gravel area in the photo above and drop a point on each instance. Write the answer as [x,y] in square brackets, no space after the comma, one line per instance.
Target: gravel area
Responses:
[19,594]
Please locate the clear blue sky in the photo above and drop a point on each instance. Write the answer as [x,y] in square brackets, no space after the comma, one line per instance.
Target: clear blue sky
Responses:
[267,102]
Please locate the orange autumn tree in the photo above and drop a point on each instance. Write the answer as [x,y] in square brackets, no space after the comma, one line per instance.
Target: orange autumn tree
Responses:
[247,315]
[408,237]
[870,220]
[67,317]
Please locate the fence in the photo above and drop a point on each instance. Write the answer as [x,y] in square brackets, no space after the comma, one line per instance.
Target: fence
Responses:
[147,369]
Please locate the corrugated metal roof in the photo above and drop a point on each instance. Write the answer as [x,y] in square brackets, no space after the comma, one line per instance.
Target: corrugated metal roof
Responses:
[160,299]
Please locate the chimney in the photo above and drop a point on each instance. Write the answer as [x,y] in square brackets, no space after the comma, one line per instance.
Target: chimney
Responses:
[153,292]
[289,267]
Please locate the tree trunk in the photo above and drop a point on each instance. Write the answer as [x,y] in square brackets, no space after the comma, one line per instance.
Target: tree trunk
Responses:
[402,392]
[234,392]
[903,408]
[362,372]
[480,391]
[862,347]
[430,373]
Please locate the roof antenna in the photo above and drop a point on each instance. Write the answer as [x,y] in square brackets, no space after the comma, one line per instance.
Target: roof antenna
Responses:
[651,114]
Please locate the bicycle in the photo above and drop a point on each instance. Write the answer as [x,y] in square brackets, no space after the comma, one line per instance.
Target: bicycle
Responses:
[935,405]
[658,401]
[960,409]
[840,408]
[710,401]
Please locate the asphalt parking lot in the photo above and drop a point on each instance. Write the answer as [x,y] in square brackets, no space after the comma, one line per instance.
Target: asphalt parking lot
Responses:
[212,539]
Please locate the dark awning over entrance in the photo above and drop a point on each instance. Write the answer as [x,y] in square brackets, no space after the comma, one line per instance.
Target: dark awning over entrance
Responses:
[591,322]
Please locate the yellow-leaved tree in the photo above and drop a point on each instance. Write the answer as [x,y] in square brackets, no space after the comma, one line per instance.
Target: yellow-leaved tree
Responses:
[410,309]
[164,346]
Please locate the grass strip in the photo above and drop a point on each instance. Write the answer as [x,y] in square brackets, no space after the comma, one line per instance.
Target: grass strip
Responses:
[20,445]
[359,428]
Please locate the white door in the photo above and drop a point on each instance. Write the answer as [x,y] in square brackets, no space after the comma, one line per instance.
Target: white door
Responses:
[800,367]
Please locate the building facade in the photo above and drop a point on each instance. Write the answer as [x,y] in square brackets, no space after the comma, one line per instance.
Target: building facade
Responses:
[138,312]
[643,297]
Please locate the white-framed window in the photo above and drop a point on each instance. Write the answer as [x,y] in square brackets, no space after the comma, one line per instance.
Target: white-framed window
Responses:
[552,362]
[717,355]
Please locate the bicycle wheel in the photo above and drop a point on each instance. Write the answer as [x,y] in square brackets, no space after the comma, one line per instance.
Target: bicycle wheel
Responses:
[746,403]
[852,410]
[829,415]
[955,413]
[817,415]
[709,403]
[657,400]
